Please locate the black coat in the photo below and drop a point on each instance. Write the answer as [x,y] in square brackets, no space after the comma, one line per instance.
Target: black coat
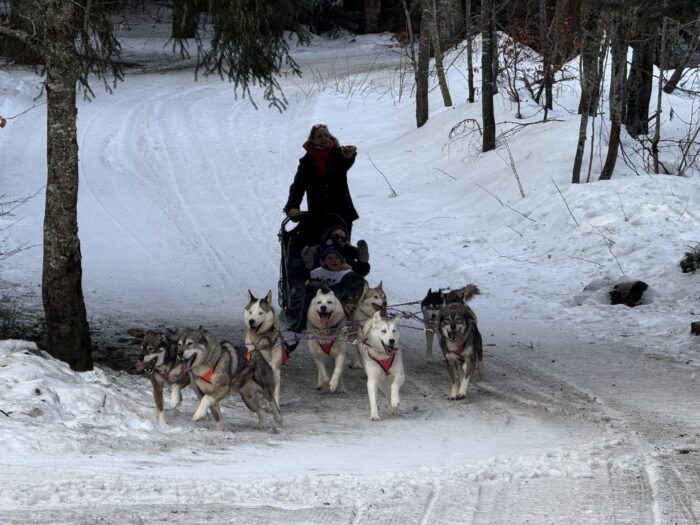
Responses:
[327,194]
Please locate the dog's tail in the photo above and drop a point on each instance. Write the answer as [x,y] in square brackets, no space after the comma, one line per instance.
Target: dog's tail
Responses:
[470,291]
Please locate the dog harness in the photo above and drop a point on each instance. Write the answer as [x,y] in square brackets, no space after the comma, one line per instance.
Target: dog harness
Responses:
[326,347]
[209,373]
[384,363]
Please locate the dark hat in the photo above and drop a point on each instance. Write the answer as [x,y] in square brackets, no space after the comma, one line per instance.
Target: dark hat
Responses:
[331,247]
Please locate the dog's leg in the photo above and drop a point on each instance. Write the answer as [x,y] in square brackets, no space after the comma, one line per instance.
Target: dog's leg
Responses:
[478,346]
[158,398]
[277,376]
[453,379]
[215,410]
[394,397]
[269,394]
[249,395]
[467,371]
[429,345]
[175,395]
[322,376]
[372,394]
[335,383]
[204,405]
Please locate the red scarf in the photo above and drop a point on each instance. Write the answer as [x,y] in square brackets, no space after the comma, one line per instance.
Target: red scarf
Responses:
[320,156]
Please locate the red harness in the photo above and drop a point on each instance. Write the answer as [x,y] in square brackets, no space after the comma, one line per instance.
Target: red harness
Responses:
[384,363]
[326,347]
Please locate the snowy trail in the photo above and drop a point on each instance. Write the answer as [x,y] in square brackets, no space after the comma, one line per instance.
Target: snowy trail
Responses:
[573,447]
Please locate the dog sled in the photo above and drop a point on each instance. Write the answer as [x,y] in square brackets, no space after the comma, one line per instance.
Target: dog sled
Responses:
[293,236]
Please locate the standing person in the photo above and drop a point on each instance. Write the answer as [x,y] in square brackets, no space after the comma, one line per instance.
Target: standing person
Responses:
[323,176]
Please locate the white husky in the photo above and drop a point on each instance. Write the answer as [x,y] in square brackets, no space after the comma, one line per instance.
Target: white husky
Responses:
[263,334]
[326,329]
[383,362]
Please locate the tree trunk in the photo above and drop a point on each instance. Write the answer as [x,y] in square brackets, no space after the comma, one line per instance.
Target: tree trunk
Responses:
[67,331]
[640,84]
[185,19]
[659,97]
[373,9]
[470,51]
[439,67]
[487,76]
[547,71]
[619,44]
[590,69]
[423,65]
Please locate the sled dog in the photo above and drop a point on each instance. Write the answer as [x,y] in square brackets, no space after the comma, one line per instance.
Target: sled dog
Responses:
[460,340]
[262,333]
[383,362]
[430,307]
[326,331]
[372,300]
[160,362]
[219,369]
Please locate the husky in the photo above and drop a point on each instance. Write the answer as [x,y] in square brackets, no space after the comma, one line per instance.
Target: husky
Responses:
[382,361]
[430,307]
[326,329]
[160,362]
[262,333]
[460,340]
[371,301]
[220,369]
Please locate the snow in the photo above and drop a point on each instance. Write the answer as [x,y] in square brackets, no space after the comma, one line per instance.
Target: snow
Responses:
[589,413]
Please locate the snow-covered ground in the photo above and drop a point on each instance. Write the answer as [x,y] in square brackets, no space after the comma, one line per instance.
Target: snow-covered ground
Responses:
[589,413]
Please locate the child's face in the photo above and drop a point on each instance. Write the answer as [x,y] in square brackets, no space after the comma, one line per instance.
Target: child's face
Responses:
[332,262]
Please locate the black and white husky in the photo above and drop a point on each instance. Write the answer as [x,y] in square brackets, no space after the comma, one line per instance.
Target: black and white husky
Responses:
[383,362]
[460,340]
[430,307]
[262,333]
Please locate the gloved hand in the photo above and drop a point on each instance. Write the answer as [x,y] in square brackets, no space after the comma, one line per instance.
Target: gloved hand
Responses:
[294,214]
[348,151]
[308,255]
[362,251]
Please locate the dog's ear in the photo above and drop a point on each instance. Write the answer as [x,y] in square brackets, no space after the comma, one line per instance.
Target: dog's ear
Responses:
[251,297]
[268,297]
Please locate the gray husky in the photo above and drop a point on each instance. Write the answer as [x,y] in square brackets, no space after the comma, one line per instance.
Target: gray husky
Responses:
[460,340]
[219,369]
[160,361]
[371,301]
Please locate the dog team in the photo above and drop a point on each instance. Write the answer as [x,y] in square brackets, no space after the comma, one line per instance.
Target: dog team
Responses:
[216,369]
